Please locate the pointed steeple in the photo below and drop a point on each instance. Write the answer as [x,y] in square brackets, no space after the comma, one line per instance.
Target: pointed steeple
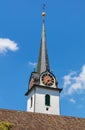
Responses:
[43,62]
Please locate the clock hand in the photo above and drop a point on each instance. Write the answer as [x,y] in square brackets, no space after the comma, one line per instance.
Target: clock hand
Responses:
[49,81]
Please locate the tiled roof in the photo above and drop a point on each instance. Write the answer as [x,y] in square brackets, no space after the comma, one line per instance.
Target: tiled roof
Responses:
[35,121]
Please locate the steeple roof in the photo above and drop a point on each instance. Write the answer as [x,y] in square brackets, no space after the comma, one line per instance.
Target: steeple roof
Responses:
[43,62]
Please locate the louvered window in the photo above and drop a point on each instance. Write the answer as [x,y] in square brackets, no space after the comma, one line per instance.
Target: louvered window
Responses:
[47,100]
[31,101]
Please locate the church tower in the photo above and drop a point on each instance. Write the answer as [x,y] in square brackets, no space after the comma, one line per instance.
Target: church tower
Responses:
[43,91]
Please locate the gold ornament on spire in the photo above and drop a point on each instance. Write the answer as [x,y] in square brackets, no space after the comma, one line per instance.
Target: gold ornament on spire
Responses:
[43,13]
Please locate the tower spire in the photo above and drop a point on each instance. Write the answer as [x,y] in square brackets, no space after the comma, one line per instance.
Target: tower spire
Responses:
[43,62]
[43,85]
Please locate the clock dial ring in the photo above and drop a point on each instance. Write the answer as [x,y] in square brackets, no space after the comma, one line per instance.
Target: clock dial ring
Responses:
[47,79]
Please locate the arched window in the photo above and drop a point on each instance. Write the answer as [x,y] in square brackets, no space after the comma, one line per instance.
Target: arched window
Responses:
[47,100]
[31,101]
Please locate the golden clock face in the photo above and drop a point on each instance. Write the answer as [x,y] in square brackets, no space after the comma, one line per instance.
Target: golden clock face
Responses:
[47,79]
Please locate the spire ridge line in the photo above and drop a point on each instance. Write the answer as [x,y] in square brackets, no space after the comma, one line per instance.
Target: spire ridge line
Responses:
[43,61]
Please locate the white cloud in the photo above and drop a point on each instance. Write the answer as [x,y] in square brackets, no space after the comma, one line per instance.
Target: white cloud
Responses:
[74,82]
[7,44]
[72,100]
[67,78]
[33,64]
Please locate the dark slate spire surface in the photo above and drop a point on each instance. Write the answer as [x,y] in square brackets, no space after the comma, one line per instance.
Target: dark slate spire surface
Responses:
[43,62]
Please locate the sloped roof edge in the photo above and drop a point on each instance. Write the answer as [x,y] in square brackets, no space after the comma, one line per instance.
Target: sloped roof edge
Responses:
[36,121]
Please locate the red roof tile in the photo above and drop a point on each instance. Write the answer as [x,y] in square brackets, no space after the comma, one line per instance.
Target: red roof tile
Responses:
[35,121]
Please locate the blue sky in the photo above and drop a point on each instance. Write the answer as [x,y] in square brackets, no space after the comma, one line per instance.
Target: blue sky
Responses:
[20,34]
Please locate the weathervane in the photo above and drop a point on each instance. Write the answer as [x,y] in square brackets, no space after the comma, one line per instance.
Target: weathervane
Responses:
[44,7]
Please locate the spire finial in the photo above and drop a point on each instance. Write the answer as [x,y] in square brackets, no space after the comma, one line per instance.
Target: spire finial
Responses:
[43,12]
[43,61]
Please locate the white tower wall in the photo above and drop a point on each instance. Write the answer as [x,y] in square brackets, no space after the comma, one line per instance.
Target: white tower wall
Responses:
[29,107]
[38,104]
